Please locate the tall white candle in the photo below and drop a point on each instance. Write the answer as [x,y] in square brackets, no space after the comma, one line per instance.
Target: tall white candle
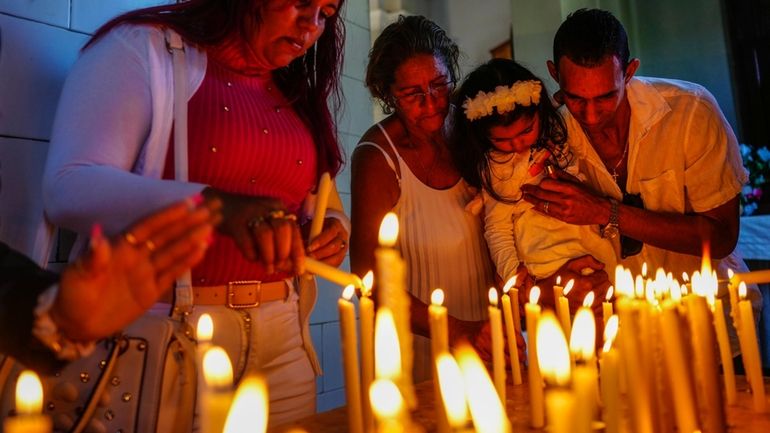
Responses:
[366,305]
[349,345]
[486,409]
[322,200]
[564,312]
[498,351]
[249,411]
[439,343]
[750,351]
[607,310]
[451,391]
[532,313]
[217,393]
[554,360]
[610,378]
[585,376]
[510,330]
[676,361]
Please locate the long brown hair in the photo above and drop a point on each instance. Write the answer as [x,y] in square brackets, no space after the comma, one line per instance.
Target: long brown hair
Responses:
[308,81]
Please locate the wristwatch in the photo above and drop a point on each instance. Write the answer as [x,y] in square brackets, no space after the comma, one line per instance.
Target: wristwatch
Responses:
[611,231]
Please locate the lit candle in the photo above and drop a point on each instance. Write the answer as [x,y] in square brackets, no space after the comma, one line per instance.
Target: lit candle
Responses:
[249,411]
[387,353]
[610,378]
[217,393]
[564,313]
[607,311]
[388,407]
[322,200]
[679,374]
[510,329]
[29,407]
[750,350]
[350,360]
[451,390]
[532,315]
[331,273]
[639,389]
[366,306]
[585,376]
[486,408]
[755,277]
[553,358]
[706,367]
[439,343]
[498,350]
[391,292]
[558,292]
[732,290]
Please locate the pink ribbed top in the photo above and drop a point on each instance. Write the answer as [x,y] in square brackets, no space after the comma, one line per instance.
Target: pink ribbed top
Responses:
[244,138]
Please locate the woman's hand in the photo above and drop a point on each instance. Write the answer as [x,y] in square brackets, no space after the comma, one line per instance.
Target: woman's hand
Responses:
[116,281]
[262,230]
[331,244]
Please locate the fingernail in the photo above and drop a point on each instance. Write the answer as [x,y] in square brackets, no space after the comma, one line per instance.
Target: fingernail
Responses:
[97,235]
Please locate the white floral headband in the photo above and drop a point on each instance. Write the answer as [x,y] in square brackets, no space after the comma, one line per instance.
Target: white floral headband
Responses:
[504,98]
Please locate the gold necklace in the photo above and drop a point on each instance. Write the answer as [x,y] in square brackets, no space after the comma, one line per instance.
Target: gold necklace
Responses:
[614,173]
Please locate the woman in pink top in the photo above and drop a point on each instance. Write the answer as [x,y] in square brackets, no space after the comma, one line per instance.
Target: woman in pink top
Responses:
[259,78]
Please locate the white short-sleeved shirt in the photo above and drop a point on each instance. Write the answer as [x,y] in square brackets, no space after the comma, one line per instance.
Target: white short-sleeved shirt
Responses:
[683,157]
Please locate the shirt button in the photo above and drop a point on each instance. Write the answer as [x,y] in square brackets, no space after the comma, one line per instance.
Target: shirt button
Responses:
[226,108]
[265,131]
[252,180]
[269,88]
[229,84]
[299,162]
[277,109]
[213,149]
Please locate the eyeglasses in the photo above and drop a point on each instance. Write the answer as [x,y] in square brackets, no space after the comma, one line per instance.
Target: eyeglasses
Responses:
[630,246]
[437,90]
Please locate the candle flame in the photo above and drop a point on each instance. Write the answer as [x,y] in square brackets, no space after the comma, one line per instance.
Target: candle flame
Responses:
[610,332]
[685,277]
[437,297]
[552,351]
[450,380]
[589,299]
[684,290]
[609,294]
[558,280]
[486,409]
[639,287]
[348,292]
[249,411]
[368,282]
[29,394]
[387,402]
[705,265]
[492,296]
[387,351]
[730,273]
[510,284]
[742,291]
[217,369]
[389,230]
[205,329]
[568,287]
[534,295]
[644,270]
[675,291]
[582,341]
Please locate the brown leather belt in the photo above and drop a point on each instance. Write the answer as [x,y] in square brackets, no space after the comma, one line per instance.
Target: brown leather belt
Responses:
[241,294]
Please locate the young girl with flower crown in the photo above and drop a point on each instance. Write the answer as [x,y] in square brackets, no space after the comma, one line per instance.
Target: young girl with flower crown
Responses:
[509,134]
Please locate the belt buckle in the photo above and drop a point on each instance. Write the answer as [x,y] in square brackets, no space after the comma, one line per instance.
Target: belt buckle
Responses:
[230,293]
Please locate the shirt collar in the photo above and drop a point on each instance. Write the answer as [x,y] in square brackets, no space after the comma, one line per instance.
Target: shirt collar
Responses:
[647,107]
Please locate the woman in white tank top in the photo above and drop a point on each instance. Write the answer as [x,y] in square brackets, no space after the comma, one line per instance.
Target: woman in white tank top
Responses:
[402,165]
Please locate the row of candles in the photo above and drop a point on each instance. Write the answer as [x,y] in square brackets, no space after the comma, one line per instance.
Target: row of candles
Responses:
[648,365]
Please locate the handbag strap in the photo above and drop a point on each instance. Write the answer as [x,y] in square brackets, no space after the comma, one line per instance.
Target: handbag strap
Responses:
[183,299]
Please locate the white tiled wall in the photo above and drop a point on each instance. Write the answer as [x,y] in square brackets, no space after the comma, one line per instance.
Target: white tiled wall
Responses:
[40,40]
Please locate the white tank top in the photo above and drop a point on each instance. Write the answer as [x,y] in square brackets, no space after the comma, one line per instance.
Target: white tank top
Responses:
[443,245]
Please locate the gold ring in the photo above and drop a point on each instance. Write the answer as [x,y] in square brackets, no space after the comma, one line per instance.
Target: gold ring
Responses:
[276,214]
[130,238]
[150,245]
[290,217]
[545,207]
[255,222]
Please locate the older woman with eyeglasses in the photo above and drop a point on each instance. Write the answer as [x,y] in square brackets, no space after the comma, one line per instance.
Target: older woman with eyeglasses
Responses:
[402,164]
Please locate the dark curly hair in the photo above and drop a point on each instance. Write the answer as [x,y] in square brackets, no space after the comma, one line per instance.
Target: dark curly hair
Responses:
[400,41]
[469,142]
[587,36]
[309,81]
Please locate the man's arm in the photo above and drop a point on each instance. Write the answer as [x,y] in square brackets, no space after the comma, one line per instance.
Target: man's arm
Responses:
[574,203]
